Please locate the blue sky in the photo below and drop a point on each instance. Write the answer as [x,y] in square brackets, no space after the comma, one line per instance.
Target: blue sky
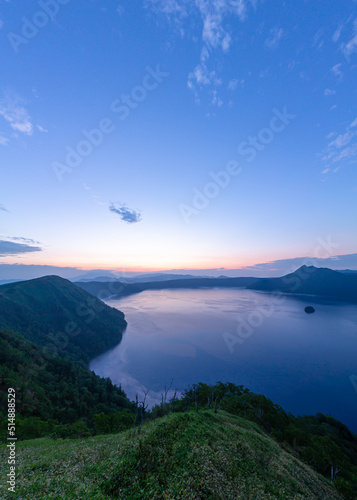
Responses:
[178,134]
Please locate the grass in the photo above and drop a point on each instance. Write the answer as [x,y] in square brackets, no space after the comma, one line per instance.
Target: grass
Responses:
[190,456]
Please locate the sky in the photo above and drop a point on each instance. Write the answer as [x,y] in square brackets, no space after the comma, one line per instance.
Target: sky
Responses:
[178,134]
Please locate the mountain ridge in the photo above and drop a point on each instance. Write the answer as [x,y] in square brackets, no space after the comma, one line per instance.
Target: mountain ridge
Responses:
[53,312]
[310,280]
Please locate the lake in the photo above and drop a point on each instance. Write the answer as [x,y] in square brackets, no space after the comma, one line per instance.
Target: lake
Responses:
[304,362]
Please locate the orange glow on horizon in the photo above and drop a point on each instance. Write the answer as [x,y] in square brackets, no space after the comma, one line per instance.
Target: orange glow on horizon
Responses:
[90,266]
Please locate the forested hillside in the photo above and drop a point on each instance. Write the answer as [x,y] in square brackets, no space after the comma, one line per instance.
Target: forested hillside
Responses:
[53,312]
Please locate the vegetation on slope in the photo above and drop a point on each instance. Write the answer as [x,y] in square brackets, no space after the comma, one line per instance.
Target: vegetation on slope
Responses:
[190,455]
[56,396]
[53,312]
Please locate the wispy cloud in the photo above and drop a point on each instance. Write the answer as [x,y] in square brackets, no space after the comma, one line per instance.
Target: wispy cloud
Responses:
[318,41]
[328,92]
[126,214]
[3,208]
[341,150]
[3,140]
[12,248]
[349,47]
[337,33]
[41,129]
[273,40]
[25,240]
[12,110]
[232,84]
[168,7]
[216,35]
[336,70]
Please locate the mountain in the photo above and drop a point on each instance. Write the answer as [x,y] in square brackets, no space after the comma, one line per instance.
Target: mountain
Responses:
[150,277]
[96,278]
[55,313]
[120,289]
[96,275]
[312,281]
[182,455]
[6,282]
[142,278]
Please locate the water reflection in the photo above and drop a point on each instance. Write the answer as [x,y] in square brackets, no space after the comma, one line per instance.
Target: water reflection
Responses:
[303,362]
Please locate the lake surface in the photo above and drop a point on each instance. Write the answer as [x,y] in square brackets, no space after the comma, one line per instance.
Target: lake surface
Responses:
[304,362]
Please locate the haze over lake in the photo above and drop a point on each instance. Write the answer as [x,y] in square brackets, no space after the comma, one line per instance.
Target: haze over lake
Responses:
[301,361]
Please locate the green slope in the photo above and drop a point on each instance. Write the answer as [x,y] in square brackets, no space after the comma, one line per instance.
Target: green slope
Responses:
[53,312]
[54,396]
[181,456]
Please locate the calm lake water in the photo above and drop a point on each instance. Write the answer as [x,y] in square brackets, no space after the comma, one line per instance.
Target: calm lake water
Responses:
[304,362]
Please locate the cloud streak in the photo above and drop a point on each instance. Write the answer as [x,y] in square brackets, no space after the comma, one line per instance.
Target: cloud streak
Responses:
[126,214]
[273,40]
[3,140]
[12,248]
[342,149]
[15,114]
[350,47]
[216,34]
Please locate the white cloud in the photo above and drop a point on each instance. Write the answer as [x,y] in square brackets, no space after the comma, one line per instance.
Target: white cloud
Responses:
[3,140]
[168,7]
[326,170]
[216,100]
[337,33]
[232,84]
[341,140]
[15,114]
[351,46]
[336,70]
[342,149]
[201,76]
[41,129]
[329,92]
[273,40]
[216,34]
[318,40]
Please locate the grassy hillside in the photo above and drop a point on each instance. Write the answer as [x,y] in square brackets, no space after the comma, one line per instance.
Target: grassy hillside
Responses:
[188,456]
[53,312]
